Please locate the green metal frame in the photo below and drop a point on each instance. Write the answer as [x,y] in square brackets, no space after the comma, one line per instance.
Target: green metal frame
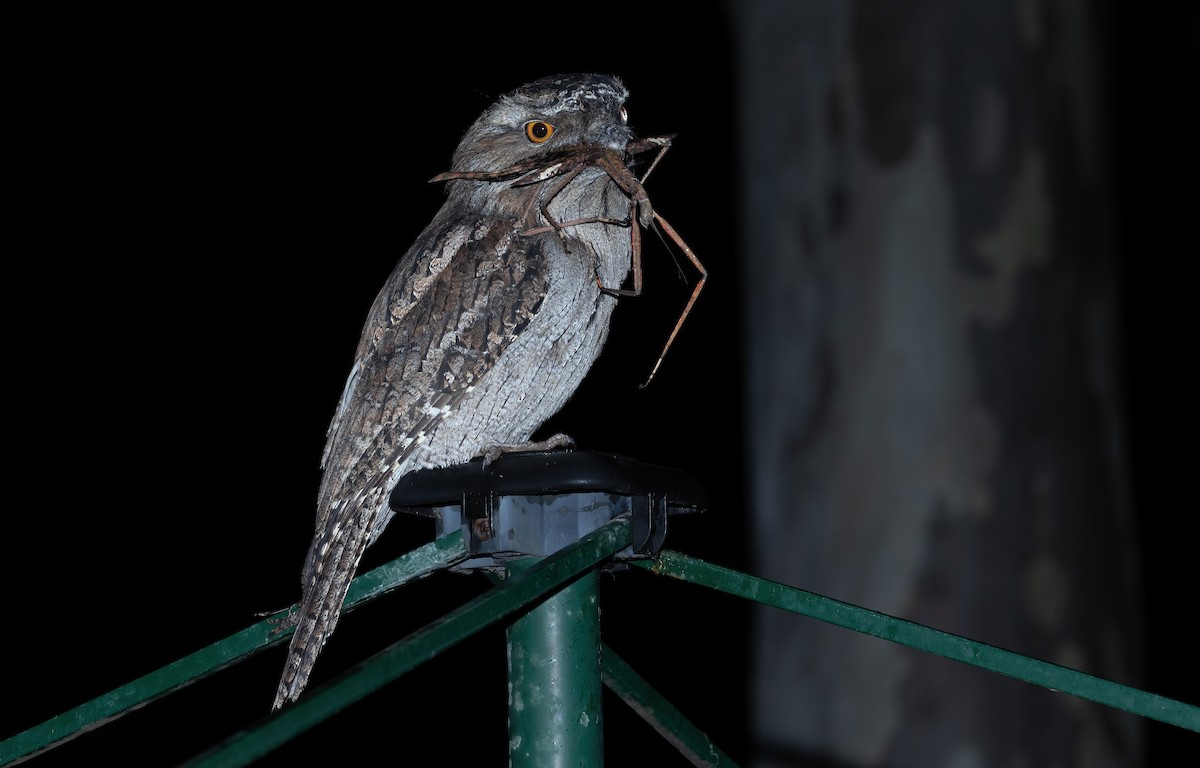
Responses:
[422,561]
[555,713]
[1045,674]
[549,577]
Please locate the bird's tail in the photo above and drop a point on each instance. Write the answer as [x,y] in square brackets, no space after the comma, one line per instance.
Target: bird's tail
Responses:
[330,567]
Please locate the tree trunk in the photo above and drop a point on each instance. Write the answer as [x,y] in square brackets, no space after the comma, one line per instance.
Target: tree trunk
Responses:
[934,418]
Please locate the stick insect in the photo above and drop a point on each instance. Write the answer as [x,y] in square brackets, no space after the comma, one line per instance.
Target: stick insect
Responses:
[562,167]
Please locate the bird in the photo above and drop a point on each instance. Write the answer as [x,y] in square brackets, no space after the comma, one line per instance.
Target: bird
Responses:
[485,327]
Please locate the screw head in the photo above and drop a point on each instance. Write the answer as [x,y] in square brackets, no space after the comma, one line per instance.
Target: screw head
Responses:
[481,528]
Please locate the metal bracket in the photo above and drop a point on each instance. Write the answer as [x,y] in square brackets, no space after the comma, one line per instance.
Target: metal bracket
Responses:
[536,503]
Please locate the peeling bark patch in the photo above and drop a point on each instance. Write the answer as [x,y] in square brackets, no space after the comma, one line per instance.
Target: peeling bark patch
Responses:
[966,756]
[1029,22]
[1021,242]
[1046,592]
[889,82]
[989,128]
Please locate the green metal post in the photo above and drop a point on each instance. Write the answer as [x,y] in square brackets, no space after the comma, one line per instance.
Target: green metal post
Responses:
[554,701]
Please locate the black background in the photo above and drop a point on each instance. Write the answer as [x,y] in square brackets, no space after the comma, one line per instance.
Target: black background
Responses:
[213,203]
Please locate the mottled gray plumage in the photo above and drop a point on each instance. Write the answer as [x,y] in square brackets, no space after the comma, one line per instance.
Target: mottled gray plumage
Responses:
[485,327]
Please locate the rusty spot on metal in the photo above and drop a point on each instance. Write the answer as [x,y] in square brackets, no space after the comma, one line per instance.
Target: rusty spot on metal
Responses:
[481,529]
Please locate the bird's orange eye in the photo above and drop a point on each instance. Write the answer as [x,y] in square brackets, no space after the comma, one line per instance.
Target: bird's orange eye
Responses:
[538,131]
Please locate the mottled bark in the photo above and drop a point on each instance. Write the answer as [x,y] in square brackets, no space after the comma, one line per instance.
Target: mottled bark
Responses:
[933,405]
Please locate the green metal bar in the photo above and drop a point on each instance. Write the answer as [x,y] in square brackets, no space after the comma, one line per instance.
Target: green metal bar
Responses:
[419,647]
[417,564]
[923,638]
[420,562]
[661,714]
[554,701]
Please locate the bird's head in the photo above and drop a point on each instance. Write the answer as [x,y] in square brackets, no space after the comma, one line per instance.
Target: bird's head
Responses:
[545,117]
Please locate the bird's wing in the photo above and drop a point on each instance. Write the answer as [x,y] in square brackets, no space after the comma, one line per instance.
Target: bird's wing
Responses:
[452,305]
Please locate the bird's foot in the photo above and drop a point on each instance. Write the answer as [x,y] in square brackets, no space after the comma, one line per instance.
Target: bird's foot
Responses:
[493,452]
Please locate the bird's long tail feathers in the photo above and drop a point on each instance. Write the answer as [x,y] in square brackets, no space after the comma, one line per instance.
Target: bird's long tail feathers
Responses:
[325,587]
